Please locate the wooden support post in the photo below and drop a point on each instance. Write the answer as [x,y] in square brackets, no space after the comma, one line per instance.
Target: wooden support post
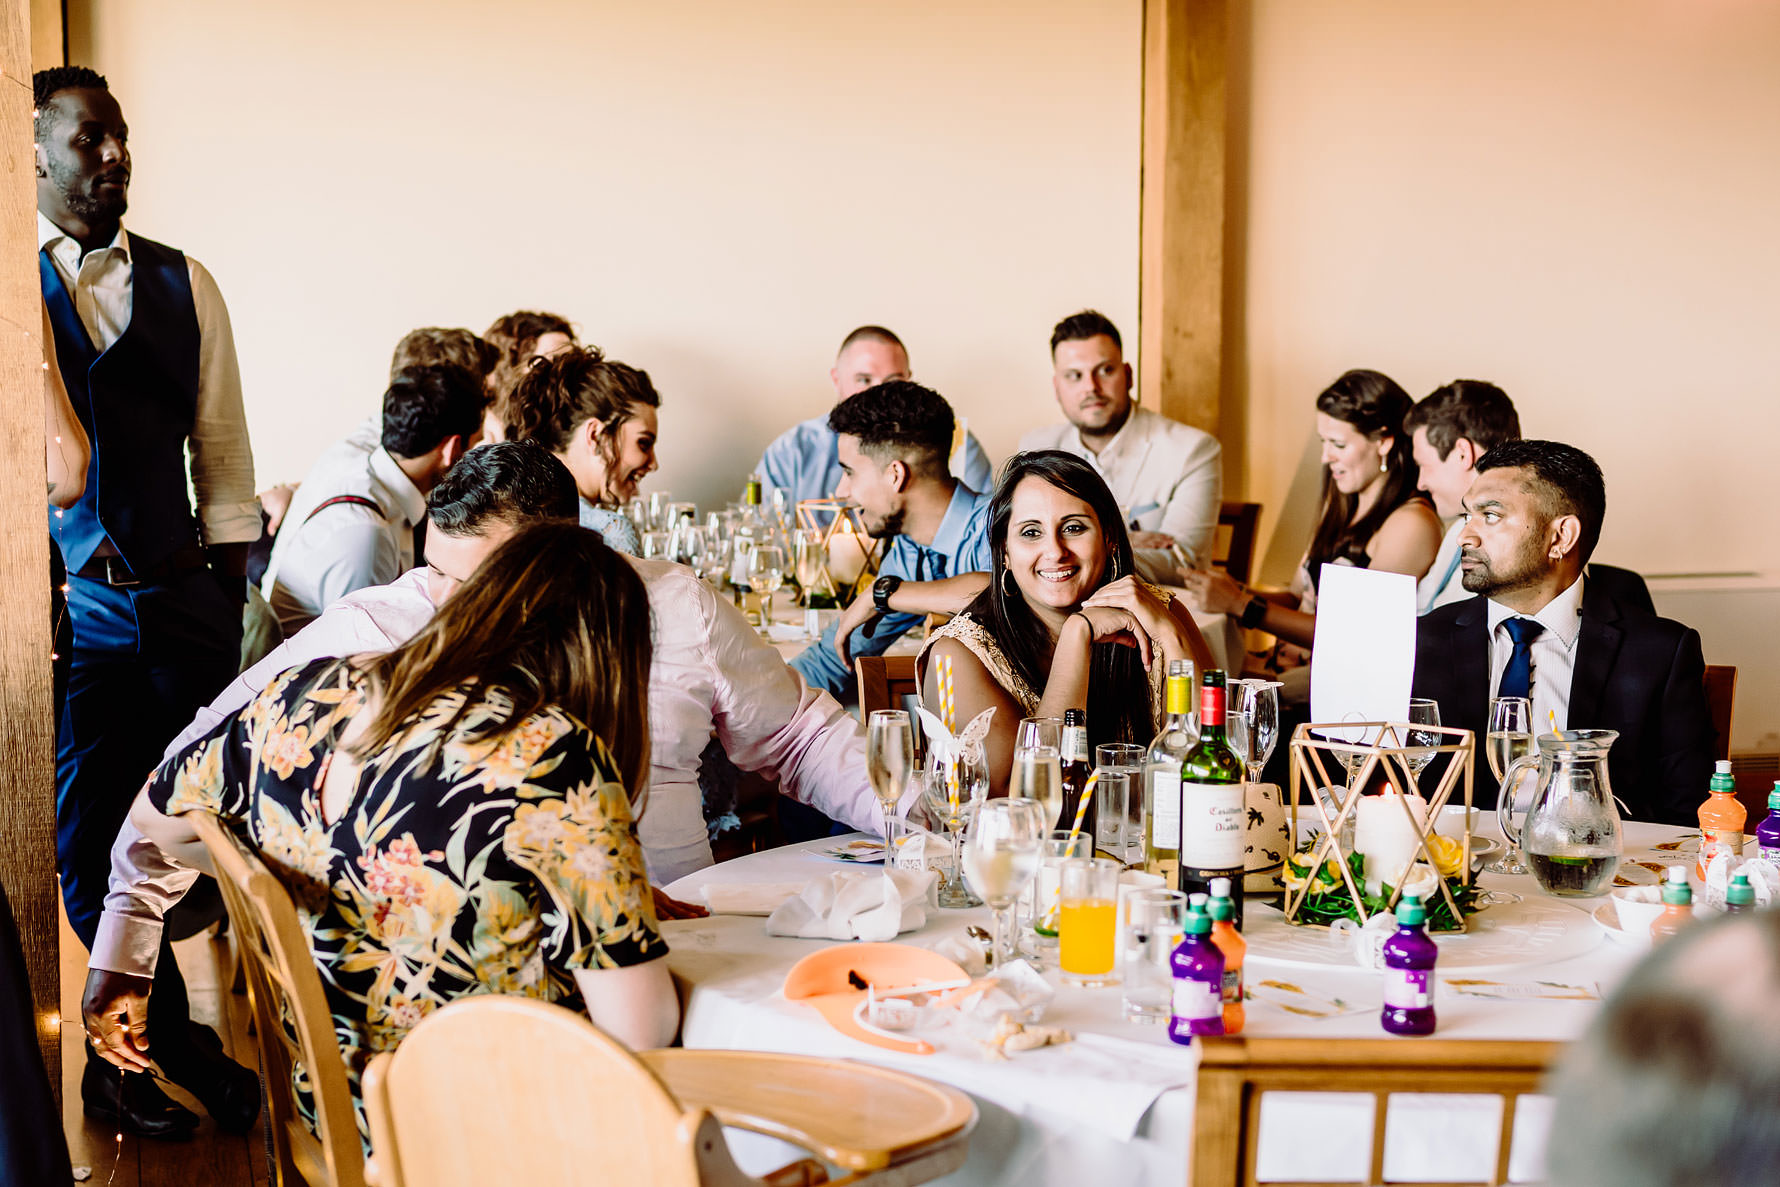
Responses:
[27,739]
[1181,291]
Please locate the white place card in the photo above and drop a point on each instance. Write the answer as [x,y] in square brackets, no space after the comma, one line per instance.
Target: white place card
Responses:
[1364,659]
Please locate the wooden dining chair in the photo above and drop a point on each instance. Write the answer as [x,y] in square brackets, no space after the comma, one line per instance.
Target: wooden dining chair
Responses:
[1233,545]
[512,1090]
[1236,1072]
[1721,695]
[884,680]
[285,994]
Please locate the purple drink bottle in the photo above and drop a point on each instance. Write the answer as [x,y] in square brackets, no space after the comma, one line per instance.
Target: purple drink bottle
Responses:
[1198,968]
[1409,972]
[1767,833]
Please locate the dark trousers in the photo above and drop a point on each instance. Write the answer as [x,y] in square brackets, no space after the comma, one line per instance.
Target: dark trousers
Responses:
[31,1146]
[144,660]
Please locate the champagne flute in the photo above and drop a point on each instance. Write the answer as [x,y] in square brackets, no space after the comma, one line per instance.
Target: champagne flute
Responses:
[1510,736]
[1039,731]
[1419,744]
[806,548]
[889,753]
[955,789]
[1000,860]
[766,573]
[1038,775]
[1254,723]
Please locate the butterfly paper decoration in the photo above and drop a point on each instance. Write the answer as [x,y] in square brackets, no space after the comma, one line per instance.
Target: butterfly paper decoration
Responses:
[942,747]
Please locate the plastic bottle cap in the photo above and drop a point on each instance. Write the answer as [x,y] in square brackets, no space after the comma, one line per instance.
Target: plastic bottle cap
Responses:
[1410,911]
[1774,798]
[1722,779]
[1677,892]
[1196,902]
[1222,910]
[1739,892]
[1197,924]
[1220,888]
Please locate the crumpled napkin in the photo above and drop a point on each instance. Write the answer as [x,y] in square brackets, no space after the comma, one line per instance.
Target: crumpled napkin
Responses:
[919,849]
[1367,943]
[1764,878]
[1015,988]
[749,898]
[858,905]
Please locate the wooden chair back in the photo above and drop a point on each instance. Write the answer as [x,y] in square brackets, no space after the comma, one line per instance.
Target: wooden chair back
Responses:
[1233,547]
[1236,1072]
[1721,695]
[887,682]
[285,994]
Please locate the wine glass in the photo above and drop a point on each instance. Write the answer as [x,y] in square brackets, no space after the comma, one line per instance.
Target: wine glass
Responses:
[889,753]
[1510,736]
[766,573]
[1039,731]
[954,791]
[806,549]
[1253,723]
[1419,744]
[1038,775]
[1000,859]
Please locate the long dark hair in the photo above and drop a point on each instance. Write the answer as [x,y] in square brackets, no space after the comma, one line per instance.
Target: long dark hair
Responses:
[1371,402]
[1118,687]
[553,617]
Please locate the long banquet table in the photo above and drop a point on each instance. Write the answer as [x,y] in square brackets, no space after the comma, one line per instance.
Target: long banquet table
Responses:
[1116,1105]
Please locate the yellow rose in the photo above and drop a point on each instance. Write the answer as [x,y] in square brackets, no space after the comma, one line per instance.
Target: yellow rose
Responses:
[1447,853]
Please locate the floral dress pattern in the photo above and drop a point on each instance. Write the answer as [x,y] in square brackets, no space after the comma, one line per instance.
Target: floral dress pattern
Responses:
[496,865]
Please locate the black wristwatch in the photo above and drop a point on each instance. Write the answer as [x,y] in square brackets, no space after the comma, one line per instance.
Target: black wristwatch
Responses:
[882,590]
[1253,613]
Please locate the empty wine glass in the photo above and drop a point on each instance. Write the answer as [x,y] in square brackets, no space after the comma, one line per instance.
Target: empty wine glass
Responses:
[766,573]
[956,785]
[1000,859]
[1418,744]
[1253,723]
[1509,736]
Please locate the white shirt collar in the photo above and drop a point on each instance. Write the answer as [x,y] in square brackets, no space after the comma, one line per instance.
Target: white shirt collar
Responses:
[48,235]
[391,475]
[1562,616]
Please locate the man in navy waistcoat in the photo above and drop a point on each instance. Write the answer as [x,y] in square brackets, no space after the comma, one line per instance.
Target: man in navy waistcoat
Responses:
[155,586]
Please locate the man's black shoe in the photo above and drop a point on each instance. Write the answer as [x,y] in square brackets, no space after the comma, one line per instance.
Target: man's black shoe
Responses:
[147,1112]
[229,1092]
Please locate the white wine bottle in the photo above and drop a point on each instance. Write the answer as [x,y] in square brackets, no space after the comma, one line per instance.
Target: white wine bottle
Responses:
[1161,775]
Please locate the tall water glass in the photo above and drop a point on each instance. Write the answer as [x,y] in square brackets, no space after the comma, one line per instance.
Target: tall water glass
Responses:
[1253,721]
[1118,836]
[1060,846]
[1000,859]
[1153,923]
[1509,736]
[1112,792]
[889,753]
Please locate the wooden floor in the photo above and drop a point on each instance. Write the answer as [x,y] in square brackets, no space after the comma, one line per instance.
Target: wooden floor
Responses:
[224,1160]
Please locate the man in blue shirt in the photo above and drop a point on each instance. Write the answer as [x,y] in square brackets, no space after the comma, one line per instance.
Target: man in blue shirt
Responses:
[805,459]
[892,441]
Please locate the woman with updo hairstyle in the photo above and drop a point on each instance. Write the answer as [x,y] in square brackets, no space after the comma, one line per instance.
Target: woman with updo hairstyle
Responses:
[598,416]
[520,339]
[1372,515]
[1064,623]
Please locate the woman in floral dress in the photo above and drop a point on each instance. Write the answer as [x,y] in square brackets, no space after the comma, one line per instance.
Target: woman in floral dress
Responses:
[450,818]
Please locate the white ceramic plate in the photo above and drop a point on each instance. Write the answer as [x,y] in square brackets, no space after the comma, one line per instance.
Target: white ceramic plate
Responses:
[1608,917]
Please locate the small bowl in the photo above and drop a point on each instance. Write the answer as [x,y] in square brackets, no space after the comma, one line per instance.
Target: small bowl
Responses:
[1637,908]
[1453,819]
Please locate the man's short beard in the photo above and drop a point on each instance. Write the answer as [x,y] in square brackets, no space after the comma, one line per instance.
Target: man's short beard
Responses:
[90,207]
[1112,426]
[887,528]
[1526,573]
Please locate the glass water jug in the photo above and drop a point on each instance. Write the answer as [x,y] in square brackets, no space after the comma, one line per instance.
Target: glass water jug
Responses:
[1570,832]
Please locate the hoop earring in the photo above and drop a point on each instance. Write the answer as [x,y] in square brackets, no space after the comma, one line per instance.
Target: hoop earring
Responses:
[1006,581]
[1112,570]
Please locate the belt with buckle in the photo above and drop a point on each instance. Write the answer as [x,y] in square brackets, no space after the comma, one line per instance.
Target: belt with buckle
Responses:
[116,572]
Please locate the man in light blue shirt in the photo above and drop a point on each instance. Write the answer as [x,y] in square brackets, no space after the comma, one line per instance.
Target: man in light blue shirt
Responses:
[805,459]
[892,441]
[1449,431]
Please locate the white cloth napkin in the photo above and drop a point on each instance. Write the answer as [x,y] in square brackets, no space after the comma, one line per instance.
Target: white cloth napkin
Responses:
[858,905]
[749,898]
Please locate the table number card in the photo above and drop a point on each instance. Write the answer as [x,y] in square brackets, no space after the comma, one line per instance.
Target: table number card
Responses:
[1364,658]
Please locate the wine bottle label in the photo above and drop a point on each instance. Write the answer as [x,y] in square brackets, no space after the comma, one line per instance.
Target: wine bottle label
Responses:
[1075,743]
[1212,823]
[1197,1000]
[1232,986]
[1409,989]
[1165,810]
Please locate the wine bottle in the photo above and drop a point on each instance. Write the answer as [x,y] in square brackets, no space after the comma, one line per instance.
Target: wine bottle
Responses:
[1075,772]
[1213,822]
[1161,774]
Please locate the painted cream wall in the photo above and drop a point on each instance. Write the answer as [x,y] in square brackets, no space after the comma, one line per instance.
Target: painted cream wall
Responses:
[1576,200]
[713,191]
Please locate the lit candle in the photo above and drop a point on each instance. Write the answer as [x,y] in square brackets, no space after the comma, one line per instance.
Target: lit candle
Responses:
[846,553]
[1386,836]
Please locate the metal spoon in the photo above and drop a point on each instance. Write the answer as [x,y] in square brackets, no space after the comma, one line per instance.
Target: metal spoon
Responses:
[980,935]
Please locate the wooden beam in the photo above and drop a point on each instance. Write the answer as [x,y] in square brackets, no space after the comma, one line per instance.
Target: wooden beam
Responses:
[49,42]
[1181,269]
[28,741]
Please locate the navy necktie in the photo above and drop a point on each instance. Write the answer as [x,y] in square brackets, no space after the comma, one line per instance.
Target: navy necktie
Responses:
[1517,677]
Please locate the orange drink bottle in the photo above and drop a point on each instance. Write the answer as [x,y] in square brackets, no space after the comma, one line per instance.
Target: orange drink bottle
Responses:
[1721,819]
[1229,941]
[1678,906]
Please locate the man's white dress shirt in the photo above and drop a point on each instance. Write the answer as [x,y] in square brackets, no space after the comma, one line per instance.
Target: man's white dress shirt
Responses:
[712,675]
[1167,477]
[1443,582]
[103,288]
[1553,655]
[347,546]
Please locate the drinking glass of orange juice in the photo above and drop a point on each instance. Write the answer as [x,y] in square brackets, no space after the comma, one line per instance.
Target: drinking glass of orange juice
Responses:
[1088,922]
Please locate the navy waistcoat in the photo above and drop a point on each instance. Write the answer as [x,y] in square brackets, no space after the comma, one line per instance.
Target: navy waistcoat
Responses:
[137,402]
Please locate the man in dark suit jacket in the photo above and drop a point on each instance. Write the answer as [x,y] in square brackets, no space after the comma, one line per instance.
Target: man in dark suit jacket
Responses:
[1533,516]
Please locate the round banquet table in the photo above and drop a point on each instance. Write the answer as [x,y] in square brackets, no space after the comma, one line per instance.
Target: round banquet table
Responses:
[1116,1105]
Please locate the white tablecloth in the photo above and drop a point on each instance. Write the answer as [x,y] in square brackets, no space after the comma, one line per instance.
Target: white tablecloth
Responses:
[1117,1106]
